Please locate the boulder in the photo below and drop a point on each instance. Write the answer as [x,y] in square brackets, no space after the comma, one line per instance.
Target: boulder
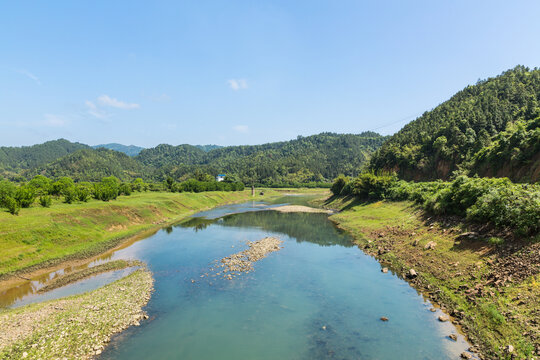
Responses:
[443,318]
[466,355]
[453,337]
[412,274]
[384,270]
[430,245]
[384,318]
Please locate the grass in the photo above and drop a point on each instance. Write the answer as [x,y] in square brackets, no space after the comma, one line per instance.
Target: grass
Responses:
[496,318]
[39,237]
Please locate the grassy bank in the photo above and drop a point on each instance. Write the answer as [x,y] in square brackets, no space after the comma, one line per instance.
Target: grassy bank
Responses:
[40,237]
[491,288]
[76,327]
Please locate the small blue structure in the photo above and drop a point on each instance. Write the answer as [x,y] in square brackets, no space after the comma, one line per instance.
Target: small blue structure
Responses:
[220,177]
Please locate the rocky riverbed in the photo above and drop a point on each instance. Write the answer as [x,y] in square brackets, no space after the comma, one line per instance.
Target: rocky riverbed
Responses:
[76,327]
[242,262]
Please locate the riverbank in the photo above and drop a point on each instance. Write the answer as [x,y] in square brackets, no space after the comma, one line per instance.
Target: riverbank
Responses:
[41,238]
[76,327]
[490,285]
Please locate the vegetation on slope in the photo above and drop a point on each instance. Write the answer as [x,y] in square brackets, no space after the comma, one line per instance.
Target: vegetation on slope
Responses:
[42,236]
[314,158]
[94,164]
[488,129]
[15,159]
[499,202]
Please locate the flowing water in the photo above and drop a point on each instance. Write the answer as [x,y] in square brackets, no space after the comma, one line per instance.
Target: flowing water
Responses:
[319,297]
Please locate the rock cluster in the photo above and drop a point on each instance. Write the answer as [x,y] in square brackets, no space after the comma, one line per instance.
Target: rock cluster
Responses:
[242,262]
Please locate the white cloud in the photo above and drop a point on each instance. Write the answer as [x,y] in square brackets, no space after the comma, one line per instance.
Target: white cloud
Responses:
[241,128]
[98,107]
[238,84]
[54,120]
[29,75]
[95,111]
[106,100]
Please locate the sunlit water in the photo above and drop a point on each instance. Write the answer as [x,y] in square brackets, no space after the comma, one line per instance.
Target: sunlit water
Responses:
[319,297]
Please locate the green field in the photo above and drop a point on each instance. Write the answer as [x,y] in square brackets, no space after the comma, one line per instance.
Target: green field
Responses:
[39,236]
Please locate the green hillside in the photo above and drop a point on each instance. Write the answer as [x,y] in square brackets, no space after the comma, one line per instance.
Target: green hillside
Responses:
[313,158]
[489,129]
[15,159]
[92,165]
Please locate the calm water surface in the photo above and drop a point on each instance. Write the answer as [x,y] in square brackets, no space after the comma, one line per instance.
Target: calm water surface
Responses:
[319,297]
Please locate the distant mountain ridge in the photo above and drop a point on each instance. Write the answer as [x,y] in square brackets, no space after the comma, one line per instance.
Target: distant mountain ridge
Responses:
[313,158]
[130,150]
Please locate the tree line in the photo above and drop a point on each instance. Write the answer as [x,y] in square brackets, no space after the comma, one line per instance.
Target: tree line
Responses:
[41,189]
[498,201]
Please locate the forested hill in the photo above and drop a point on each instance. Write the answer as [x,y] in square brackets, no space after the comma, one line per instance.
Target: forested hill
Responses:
[15,159]
[92,165]
[313,158]
[305,159]
[490,129]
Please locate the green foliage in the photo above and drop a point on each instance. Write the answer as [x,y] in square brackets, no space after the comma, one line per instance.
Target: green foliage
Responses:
[339,184]
[107,189]
[70,194]
[28,157]
[61,185]
[84,191]
[25,196]
[494,314]
[45,201]
[125,189]
[484,200]
[41,184]
[7,190]
[316,158]
[139,185]
[94,164]
[12,205]
[490,129]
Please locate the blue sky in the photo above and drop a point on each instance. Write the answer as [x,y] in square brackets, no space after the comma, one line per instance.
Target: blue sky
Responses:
[244,72]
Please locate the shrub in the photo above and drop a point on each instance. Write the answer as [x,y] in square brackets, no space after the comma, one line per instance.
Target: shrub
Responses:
[25,196]
[339,184]
[12,205]
[45,201]
[125,189]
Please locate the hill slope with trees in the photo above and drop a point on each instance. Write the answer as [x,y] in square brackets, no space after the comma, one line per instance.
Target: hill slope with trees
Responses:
[488,129]
[317,158]
[15,159]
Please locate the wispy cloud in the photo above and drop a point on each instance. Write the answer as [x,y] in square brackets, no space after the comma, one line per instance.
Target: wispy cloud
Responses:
[29,75]
[54,120]
[238,84]
[98,108]
[94,110]
[241,129]
[106,100]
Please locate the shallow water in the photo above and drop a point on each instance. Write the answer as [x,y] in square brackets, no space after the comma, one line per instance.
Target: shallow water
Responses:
[319,297]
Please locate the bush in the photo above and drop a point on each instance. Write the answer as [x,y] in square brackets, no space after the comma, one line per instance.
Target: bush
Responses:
[125,189]
[25,196]
[339,184]
[45,201]
[12,205]
[70,194]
